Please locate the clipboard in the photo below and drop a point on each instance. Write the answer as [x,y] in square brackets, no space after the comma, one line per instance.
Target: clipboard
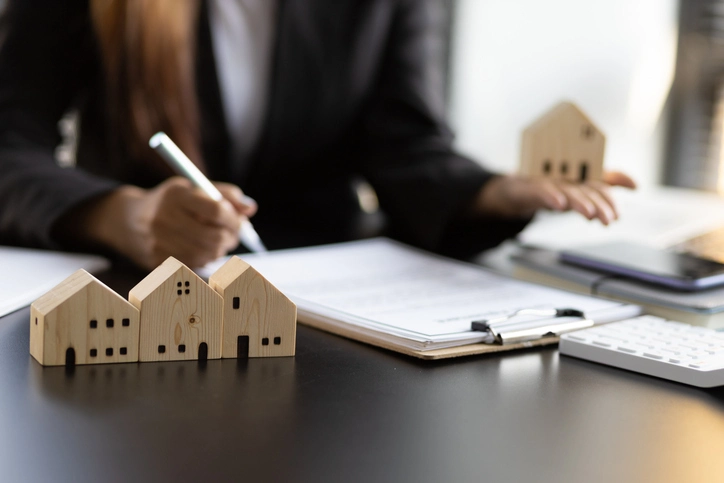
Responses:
[429,355]
[549,335]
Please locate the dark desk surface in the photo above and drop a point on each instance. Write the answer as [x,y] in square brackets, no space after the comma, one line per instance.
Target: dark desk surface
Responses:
[344,411]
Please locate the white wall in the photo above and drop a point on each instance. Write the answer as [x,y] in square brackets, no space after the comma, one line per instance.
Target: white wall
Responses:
[514,59]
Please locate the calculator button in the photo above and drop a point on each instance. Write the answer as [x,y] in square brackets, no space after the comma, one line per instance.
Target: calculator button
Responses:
[576,337]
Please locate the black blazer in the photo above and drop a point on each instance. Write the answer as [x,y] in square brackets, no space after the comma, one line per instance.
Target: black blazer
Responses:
[355,94]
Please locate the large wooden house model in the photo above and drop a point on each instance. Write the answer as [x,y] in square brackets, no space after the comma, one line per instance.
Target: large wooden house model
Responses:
[563,144]
[259,320]
[82,321]
[181,316]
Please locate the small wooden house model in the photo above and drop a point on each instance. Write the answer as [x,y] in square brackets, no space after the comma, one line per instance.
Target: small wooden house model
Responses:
[563,144]
[82,321]
[181,316]
[259,320]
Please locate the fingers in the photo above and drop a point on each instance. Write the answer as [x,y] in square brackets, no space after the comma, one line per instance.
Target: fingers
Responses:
[517,196]
[578,199]
[195,201]
[595,194]
[243,204]
[616,178]
[185,223]
[179,223]
[193,243]
[604,208]
[591,200]
[602,189]
[207,211]
[547,195]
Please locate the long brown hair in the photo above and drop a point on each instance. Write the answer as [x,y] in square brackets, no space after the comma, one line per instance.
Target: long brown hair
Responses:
[148,49]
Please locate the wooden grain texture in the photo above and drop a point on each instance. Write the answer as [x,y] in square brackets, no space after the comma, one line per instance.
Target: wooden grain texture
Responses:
[179,311]
[262,312]
[560,143]
[84,315]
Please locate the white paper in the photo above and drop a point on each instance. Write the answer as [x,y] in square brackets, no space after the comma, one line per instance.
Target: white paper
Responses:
[27,274]
[392,290]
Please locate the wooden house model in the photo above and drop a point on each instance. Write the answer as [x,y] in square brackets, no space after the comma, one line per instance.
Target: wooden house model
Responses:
[82,321]
[181,316]
[563,144]
[259,320]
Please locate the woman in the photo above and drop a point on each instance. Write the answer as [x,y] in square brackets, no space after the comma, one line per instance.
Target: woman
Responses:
[292,101]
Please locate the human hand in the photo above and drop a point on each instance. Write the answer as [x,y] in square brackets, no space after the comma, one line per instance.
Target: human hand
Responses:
[172,219]
[515,196]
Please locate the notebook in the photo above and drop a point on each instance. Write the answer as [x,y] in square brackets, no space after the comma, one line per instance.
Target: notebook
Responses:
[27,274]
[394,296]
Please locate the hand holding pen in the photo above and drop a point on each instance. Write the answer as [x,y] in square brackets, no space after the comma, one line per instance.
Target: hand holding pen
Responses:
[175,218]
[172,219]
[183,165]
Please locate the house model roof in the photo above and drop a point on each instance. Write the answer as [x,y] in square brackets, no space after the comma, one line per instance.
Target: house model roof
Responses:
[67,288]
[563,110]
[232,269]
[156,278]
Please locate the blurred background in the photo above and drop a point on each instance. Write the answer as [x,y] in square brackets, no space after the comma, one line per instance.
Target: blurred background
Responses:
[616,59]
[649,73]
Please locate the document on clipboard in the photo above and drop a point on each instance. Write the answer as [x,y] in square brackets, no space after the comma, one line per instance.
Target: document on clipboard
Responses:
[395,296]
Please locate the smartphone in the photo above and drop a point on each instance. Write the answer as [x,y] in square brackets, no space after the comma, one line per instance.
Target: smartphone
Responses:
[677,270]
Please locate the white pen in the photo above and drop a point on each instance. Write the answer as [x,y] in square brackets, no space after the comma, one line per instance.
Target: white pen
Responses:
[183,165]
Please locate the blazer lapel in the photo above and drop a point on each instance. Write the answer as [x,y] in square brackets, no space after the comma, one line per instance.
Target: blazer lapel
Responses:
[215,142]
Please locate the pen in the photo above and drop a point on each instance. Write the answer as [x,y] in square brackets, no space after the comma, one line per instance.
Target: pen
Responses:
[183,165]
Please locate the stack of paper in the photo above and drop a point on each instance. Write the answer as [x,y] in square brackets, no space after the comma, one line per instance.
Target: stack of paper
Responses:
[407,298]
[28,274]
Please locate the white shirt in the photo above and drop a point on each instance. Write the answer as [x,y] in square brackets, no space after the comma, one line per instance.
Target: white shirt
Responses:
[243,33]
